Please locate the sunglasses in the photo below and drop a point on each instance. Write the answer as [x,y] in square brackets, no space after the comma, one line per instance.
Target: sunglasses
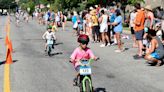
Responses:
[83,43]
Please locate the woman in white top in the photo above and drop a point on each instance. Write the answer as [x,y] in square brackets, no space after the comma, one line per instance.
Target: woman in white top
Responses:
[104,28]
[132,17]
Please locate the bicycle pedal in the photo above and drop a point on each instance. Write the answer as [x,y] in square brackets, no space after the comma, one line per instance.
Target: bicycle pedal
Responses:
[78,85]
[75,85]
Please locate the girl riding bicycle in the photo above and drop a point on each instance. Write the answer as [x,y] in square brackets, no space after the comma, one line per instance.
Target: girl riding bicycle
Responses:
[81,52]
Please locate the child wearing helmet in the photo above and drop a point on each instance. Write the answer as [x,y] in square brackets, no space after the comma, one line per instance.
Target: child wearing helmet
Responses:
[81,52]
[48,35]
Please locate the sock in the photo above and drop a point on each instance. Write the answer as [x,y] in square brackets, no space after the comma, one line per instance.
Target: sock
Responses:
[115,41]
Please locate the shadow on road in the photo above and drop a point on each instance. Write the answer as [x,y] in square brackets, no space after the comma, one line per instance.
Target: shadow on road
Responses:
[1,38]
[126,49]
[58,43]
[110,76]
[32,39]
[100,90]
[3,62]
[58,53]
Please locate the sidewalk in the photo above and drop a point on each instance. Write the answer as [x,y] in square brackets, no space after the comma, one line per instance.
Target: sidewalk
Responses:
[126,30]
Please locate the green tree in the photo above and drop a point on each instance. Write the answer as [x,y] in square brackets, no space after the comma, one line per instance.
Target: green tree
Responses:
[6,4]
[28,4]
[132,2]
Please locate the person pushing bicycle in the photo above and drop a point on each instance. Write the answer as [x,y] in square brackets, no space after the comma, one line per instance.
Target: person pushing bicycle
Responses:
[81,52]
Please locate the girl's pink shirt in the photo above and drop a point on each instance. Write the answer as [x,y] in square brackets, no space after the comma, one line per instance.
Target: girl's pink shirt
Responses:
[79,54]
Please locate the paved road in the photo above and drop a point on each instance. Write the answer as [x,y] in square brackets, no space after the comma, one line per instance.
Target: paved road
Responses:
[35,72]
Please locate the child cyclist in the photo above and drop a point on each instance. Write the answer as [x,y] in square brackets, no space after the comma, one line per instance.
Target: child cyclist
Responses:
[81,52]
[48,35]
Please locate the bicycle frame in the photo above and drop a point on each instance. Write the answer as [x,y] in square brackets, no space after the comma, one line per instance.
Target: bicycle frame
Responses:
[83,83]
[84,78]
[49,46]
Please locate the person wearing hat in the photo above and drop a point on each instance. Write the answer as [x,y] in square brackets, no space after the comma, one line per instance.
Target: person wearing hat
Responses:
[95,26]
[149,17]
[91,8]
[96,6]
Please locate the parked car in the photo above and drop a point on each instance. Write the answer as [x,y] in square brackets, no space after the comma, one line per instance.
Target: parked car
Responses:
[0,11]
[3,12]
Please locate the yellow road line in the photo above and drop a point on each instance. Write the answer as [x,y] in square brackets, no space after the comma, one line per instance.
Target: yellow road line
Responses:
[6,86]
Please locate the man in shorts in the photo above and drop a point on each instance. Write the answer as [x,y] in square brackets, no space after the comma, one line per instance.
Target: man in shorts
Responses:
[139,29]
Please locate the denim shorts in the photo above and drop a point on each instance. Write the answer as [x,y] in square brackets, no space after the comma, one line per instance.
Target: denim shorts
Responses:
[139,35]
[155,55]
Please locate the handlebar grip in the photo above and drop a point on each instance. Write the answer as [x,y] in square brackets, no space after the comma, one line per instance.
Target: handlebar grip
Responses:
[70,61]
[97,59]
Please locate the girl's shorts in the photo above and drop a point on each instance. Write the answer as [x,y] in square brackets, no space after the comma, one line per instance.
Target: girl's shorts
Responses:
[155,55]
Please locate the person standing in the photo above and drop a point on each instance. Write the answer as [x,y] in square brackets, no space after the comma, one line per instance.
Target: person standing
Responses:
[132,17]
[57,19]
[149,17]
[17,16]
[139,29]
[63,20]
[104,28]
[74,21]
[95,27]
[53,16]
[112,18]
[118,30]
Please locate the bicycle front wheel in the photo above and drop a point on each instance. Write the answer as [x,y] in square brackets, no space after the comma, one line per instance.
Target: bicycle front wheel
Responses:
[49,50]
[88,86]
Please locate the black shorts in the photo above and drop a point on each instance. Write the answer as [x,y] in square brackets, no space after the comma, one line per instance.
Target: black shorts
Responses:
[113,30]
[132,30]
[95,30]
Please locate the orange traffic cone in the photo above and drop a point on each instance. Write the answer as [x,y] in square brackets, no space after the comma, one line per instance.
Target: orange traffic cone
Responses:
[7,40]
[9,51]
[9,57]
[10,46]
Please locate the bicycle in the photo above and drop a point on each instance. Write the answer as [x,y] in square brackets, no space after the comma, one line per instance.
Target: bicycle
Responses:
[84,80]
[49,46]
